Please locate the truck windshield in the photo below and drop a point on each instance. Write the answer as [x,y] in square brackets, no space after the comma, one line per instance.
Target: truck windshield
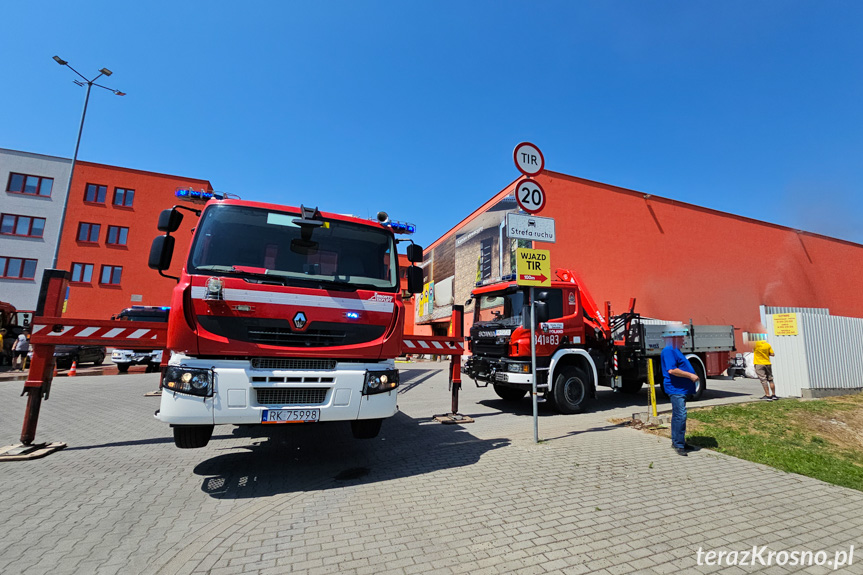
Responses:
[503,308]
[259,244]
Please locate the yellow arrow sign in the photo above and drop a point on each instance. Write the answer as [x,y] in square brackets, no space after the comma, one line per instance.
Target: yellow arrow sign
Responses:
[533,267]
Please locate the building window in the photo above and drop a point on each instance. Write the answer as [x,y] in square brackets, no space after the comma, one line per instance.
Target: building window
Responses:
[32,185]
[123,197]
[14,225]
[95,193]
[111,275]
[17,268]
[82,273]
[88,232]
[483,271]
[117,236]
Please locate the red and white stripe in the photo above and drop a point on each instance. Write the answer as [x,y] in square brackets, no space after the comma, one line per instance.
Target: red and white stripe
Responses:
[90,332]
[440,346]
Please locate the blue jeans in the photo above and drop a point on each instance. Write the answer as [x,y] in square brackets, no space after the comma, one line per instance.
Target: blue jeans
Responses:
[678,421]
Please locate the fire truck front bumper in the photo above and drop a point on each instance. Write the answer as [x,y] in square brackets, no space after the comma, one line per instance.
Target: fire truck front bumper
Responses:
[498,370]
[242,395]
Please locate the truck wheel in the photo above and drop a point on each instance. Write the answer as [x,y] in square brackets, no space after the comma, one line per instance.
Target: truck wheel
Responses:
[100,360]
[702,381]
[123,367]
[509,393]
[366,428]
[192,436]
[571,390]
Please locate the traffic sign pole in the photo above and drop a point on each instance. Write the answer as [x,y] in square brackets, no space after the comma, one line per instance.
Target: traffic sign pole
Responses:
[532,266]
[533,364]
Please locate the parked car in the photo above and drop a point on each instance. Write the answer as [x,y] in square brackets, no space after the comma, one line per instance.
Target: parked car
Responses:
[65,355]
[125,358]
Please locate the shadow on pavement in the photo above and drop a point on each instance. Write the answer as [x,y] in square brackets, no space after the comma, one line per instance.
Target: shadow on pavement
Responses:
[325,456]
[410,378]
[606,400]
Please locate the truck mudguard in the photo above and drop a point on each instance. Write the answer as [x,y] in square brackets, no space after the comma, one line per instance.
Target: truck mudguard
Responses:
[555,359]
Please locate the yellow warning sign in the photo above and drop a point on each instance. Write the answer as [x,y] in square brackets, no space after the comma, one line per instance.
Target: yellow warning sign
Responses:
[785,324]
[533,267]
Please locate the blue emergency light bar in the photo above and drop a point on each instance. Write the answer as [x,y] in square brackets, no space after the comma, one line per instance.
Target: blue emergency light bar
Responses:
[401,227]
[197,195]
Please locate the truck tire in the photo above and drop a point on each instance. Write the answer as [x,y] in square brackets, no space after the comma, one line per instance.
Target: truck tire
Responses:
[100,360]
[509,393]
[366,428]
[702,380]
[571,390]
[192,436]
[122,367]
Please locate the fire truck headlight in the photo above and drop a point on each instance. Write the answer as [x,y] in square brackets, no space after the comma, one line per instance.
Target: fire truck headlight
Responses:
[380,381]
[519,368]
[190,380]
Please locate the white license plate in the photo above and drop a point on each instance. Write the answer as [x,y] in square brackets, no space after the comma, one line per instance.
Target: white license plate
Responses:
[290,415]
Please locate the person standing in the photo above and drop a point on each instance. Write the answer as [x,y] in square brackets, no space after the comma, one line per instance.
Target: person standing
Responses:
[679,380]
[20,349]
[764,369]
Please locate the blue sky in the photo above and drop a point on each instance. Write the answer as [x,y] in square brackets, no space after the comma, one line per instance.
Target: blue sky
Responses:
[754,108]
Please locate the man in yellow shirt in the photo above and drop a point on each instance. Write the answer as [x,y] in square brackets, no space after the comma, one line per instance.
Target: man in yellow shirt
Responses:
[764,369]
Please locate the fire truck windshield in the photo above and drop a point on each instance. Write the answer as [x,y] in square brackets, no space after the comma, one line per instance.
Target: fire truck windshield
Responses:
[262,245]
[502,308]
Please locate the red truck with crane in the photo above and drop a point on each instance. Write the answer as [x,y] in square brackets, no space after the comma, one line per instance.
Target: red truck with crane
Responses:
[282,315]
[579,346]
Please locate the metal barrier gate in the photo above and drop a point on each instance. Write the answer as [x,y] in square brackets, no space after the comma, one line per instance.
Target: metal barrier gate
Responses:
[49,329]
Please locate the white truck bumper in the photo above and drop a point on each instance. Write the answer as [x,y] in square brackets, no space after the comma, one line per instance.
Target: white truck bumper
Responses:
[241,394]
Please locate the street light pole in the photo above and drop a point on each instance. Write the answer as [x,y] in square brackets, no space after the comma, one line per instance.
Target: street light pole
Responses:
[90,83]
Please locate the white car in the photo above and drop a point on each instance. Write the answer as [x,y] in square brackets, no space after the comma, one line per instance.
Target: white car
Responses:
[125,358]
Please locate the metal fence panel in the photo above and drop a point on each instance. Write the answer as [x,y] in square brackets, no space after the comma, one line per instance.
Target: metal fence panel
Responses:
[790,372]
[826,353]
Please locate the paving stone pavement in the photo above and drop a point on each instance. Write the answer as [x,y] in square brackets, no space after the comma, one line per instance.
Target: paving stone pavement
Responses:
[422,497]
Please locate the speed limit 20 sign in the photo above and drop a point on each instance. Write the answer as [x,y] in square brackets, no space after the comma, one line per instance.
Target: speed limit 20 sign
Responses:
[530,196]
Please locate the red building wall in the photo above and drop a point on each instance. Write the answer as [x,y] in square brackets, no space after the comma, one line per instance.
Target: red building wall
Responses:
[153,193]
[683,261]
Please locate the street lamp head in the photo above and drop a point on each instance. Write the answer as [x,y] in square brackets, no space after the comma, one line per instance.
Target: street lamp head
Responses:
[106,71]
[119,93]
[60,60]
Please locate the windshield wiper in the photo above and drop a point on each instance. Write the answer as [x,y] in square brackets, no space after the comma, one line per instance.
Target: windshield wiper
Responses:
[247,273]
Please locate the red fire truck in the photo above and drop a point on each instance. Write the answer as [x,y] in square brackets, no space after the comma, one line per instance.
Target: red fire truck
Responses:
[578,345]
[282,315]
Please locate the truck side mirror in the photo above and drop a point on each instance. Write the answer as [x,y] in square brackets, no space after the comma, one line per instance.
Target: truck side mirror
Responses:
[415,279]
[415,254]
[169,220]
[541,312]
[161,252]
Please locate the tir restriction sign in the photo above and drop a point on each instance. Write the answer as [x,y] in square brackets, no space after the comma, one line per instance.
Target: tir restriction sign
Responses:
[528,159]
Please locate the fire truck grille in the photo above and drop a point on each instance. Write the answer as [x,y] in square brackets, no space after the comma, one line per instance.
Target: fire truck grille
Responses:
[308,338]
[291,396]
[488,348]
[293,364]
[280,332]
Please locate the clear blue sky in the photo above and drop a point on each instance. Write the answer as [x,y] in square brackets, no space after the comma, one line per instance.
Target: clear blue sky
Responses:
[754,108]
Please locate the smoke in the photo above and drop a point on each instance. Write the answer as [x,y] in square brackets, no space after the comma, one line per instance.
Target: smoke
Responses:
[822,208]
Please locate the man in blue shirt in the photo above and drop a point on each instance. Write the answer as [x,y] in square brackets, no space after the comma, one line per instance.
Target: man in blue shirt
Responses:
[679,380]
